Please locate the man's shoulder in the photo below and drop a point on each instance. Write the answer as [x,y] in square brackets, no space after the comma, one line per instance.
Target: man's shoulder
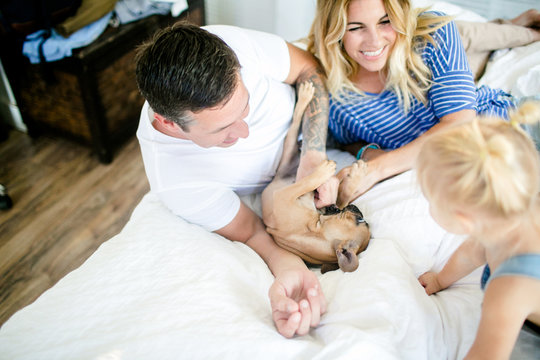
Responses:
[239,37]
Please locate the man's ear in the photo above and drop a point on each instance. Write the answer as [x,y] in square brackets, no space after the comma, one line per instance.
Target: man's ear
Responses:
[164,122]
[168,127]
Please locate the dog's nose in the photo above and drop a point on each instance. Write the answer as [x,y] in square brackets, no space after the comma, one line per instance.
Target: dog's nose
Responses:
[330,210]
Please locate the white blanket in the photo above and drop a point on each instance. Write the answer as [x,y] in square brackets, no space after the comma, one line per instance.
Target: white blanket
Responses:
[166,289]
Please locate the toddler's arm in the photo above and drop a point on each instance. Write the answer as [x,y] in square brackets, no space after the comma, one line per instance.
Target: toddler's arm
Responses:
[507,302]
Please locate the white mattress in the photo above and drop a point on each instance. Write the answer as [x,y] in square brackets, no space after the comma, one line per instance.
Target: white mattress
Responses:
[166,289]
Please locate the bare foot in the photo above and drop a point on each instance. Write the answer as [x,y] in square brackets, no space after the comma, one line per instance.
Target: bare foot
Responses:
[529,18]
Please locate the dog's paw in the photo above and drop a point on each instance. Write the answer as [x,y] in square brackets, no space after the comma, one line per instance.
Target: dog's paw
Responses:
[326,169]
[306,90]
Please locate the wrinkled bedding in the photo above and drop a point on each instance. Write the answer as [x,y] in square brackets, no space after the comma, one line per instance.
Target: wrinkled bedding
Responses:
[167,289]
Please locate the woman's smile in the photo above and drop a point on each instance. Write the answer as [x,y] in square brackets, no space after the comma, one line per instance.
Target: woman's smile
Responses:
[373,54]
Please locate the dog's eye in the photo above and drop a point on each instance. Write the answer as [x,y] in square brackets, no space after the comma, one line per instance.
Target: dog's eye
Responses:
[360,220]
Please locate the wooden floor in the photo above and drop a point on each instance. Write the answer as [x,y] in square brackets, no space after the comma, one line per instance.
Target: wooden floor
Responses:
[65,204]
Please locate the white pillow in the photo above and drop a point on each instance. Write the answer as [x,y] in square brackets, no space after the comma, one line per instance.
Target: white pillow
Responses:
[450,9]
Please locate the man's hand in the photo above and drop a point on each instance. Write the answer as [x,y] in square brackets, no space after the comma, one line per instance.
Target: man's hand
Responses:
[326,194]
[297,302]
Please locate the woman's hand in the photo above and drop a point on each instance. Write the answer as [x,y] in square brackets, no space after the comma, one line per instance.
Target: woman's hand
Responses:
[354,180]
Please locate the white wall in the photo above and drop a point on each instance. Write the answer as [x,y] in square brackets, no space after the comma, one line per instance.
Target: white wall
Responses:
[291,19]
[492,9]
[295,18]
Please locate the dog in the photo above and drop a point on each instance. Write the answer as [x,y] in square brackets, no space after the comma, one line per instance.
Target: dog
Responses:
[330,237]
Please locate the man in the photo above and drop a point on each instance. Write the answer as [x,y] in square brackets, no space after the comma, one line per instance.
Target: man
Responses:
[219,103]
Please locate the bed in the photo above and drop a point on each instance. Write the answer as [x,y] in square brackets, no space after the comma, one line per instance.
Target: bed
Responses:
[166,289]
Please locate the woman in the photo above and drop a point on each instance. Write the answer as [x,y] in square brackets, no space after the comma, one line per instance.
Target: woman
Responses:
[395,76]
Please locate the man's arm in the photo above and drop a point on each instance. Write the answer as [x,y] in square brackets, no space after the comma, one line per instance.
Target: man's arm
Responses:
[304,67]
[295,296]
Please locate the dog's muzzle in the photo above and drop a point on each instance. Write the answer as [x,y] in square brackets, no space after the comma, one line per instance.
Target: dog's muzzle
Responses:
[333,210]
[330,210]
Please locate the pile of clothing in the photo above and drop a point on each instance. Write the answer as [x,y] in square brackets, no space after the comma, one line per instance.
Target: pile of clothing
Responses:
[75,24]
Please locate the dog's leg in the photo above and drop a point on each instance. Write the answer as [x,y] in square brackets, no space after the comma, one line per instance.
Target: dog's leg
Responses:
[290,146]
[322,173]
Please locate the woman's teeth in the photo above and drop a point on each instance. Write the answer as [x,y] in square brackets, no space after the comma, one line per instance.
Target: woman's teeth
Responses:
[373,53]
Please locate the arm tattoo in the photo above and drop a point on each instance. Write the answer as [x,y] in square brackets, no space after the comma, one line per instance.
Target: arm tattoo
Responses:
[315,119]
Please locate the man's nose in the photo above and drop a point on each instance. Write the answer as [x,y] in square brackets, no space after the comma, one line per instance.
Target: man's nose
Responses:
[240,129]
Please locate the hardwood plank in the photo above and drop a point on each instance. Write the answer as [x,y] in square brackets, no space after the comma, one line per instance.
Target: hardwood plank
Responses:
[66,204]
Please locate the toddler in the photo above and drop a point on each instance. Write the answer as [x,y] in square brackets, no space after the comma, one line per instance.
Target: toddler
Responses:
[482,179]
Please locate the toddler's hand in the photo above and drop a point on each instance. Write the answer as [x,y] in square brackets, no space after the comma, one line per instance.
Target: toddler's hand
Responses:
[430,282]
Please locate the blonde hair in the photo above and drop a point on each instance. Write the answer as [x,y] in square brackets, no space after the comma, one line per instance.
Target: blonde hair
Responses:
[490,165]
[407,75]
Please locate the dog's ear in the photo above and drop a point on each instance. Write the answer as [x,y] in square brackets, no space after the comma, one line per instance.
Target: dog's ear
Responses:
[347,258]
[326,267]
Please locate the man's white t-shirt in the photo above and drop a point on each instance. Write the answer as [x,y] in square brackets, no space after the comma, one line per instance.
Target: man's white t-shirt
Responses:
[203,185]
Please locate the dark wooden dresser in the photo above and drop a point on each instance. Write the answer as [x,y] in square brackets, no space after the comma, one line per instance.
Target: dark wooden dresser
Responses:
[92,96]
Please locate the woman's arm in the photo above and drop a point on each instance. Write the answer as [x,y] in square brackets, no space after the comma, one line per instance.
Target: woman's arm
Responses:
[402,159]
[379,165]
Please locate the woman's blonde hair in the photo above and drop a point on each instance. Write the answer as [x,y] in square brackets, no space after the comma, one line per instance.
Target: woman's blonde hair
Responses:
[407,75]
[490,165]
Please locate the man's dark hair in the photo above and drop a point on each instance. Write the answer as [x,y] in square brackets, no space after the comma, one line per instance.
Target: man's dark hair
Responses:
[185,68]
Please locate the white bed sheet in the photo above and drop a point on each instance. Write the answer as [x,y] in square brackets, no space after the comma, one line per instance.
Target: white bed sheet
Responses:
[166,289]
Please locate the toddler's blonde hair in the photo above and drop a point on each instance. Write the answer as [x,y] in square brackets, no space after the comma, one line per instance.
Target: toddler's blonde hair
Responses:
[489,164]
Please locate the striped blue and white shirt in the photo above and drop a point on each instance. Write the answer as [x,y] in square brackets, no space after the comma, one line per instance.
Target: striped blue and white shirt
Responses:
[378,118]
